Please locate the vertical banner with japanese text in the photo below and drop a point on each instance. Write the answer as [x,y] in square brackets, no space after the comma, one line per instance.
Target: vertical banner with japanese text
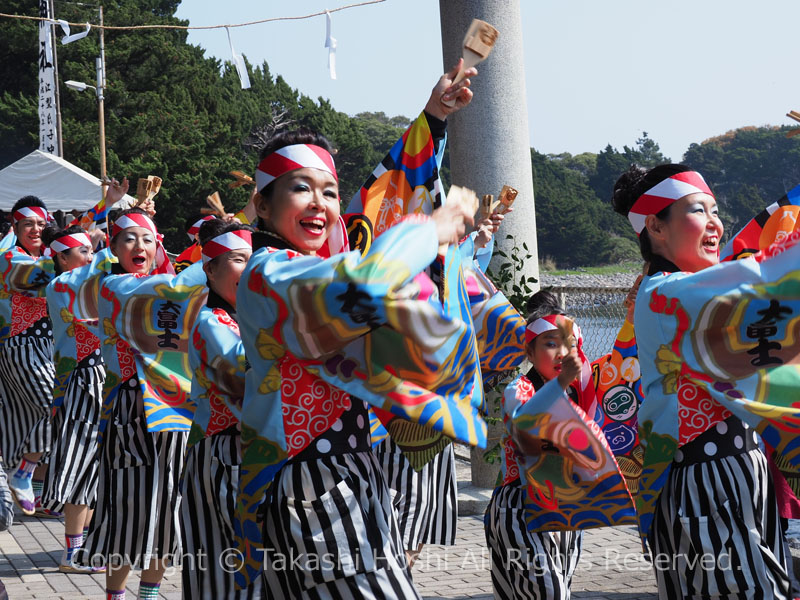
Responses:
[48,141]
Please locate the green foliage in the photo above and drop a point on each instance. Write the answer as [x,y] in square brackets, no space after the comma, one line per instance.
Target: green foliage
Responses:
[569,216]
[748,169]
[510,277]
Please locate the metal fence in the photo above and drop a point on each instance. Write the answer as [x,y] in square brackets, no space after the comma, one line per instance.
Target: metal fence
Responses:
[599,312]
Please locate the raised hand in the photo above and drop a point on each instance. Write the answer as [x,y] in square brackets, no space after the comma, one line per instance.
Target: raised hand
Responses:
[445,90]
[451,221]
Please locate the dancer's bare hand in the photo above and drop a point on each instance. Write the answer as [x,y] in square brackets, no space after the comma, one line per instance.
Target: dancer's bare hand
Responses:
[445,90]
[451,222]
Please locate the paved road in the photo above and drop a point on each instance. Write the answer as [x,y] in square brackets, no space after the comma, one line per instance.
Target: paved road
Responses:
[611,566]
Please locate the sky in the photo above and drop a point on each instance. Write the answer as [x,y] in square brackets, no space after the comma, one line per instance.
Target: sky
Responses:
[597,73]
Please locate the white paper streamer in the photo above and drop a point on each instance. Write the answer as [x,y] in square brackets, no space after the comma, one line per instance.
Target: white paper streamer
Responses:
[75,36]
[241,68]
[330,44]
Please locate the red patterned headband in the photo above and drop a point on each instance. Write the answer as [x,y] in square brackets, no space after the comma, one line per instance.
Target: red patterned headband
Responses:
[71,240]
[195,229]
[550,323]
[661,195]
[291,158]
[225,242]
[133,220]
[30,212]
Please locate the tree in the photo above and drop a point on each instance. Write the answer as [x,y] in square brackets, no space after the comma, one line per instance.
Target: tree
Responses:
[567,215]
[646,154]
[747,169]
[610,165]
[170,111]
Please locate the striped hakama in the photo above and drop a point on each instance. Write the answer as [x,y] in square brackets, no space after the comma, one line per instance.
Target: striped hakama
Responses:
[426,501]
[208,489]
[329,528]
[138,499]
[527,565]
[27,374]
[74,460]
[716,532]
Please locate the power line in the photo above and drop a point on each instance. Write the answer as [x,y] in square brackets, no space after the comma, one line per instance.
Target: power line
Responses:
[133,27]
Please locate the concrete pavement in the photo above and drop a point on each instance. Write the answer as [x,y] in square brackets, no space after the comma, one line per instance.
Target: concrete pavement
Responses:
[611,566]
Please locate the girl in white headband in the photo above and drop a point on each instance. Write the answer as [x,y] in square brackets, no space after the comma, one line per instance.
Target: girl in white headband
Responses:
[524,562]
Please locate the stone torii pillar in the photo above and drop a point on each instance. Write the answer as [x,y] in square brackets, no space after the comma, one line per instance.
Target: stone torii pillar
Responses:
[489,141]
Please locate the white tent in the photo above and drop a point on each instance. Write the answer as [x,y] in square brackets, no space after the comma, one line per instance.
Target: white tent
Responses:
[60,184]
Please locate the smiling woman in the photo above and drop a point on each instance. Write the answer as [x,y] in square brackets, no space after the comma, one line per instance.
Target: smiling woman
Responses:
[307,307]
[705,487]
[26,353]
[133,242]
[301,207]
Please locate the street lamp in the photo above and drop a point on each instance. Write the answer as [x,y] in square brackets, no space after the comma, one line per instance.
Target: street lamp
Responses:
[79,86]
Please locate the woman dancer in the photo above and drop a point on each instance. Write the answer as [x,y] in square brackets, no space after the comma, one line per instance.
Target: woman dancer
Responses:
[26,355]
[211,473]
[138,501]
[706,504]
[329,502]
[72,478]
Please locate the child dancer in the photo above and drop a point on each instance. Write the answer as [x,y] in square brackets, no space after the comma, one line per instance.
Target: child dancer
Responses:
[532,565]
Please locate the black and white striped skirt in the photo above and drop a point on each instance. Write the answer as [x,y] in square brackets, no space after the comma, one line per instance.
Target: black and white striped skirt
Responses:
[426,501]
[27,373]
[527,565]
[716,532]
[331,533]
[138,497]
[208,489]
[74,459]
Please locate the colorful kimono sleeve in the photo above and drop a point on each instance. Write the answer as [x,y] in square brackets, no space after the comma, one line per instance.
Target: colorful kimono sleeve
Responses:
[520,401]
[72,305]
[573,481]
[217,363]
[362,325]
[327,304]
[9,240]
[23,274]
[730,331]
[481,257]
[145,324]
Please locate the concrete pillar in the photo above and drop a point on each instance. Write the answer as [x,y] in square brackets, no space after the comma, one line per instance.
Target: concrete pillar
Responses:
[489,141]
